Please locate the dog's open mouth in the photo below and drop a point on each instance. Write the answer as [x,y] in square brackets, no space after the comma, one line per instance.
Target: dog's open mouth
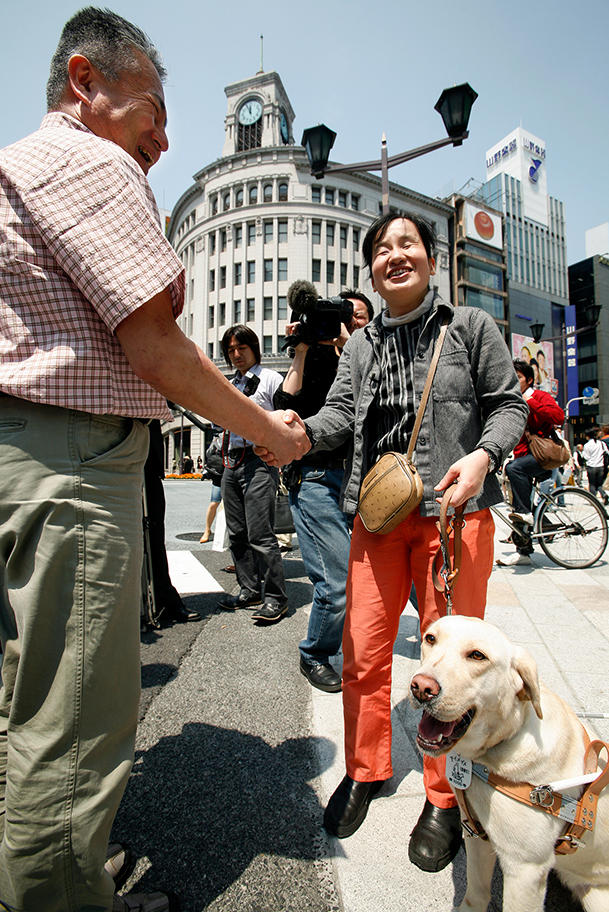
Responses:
[435,737]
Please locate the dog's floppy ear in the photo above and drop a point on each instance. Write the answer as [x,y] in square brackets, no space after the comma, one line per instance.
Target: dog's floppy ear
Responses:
[525,666]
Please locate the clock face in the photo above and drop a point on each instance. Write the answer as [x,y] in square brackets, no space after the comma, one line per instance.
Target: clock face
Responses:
[283,125]
[250,112]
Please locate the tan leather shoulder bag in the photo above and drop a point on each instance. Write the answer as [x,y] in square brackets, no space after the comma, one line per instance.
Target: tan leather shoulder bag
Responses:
[392,488]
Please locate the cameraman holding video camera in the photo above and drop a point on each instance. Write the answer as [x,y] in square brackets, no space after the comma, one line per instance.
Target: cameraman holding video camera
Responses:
[317,333]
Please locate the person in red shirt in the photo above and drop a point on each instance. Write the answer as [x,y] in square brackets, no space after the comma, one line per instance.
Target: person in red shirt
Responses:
[544,415]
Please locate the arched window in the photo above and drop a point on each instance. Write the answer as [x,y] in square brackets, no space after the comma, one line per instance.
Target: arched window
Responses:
[214,205]
[239,198]
[249,136]
[253,195]
[226,201]
[283,193]
[268,193]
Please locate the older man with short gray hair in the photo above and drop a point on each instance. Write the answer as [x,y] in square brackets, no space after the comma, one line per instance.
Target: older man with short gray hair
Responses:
[89,352]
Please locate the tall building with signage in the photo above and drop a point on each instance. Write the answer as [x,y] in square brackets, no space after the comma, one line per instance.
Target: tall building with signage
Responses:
[588,285]
[478,258]
[255,220]
[536,257]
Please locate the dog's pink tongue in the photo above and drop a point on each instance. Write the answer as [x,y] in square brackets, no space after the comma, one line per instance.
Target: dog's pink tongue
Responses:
[433,730]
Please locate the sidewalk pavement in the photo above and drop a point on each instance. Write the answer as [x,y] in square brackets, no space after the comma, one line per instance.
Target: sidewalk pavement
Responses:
[562,617]
[237,755]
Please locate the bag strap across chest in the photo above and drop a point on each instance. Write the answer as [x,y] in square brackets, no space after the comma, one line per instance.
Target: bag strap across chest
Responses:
[426,390]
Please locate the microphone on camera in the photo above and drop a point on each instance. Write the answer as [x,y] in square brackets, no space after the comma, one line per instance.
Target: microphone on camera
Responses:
[302,296]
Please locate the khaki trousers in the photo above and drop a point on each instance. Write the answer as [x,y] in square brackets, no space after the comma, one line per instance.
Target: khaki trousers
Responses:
[70,578]
[382,569]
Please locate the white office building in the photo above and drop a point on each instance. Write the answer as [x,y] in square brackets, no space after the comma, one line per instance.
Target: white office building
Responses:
[517,185]
[597,240]
[535,237]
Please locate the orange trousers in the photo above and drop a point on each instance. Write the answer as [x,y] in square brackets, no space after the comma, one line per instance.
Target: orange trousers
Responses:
[382,569]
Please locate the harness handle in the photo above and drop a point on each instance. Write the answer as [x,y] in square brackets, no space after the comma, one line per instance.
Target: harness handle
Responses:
[585,816]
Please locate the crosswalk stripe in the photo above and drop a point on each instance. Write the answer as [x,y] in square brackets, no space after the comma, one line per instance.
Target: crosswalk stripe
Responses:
[188,574]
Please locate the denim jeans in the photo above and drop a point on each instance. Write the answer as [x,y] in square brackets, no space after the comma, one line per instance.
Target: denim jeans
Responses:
[324,538]
[521,472]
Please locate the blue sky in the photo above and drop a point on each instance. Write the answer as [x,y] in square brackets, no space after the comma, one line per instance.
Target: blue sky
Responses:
[363,68]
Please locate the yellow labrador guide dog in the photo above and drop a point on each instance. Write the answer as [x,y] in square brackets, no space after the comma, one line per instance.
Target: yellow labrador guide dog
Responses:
[516,761]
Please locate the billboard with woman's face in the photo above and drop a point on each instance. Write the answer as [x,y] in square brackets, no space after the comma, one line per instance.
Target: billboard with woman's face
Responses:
[540,355]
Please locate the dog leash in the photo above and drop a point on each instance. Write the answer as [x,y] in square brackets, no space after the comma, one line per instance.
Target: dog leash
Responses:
[445,576]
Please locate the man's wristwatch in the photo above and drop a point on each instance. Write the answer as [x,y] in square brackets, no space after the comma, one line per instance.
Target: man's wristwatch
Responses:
[493,464]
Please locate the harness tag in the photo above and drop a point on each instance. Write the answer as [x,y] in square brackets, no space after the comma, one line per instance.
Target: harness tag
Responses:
[458,770]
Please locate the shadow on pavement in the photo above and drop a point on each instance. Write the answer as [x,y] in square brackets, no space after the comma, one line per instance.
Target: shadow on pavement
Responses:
[162,649]
[204,805]
[156,674]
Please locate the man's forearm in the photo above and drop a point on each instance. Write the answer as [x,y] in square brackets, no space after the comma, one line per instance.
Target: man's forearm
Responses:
[162,356]
[204,390]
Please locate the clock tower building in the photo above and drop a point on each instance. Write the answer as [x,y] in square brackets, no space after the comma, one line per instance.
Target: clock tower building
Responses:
[255,220]
[259,114]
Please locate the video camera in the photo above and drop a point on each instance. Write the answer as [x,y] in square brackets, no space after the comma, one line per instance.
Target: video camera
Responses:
[319,318]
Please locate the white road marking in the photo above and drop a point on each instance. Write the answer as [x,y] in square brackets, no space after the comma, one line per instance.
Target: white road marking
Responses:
[188,575]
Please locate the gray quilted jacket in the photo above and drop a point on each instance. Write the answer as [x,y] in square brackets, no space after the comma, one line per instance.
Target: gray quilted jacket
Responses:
[475,401]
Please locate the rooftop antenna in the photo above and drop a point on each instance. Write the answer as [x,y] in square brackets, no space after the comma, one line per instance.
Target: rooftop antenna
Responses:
[261,70]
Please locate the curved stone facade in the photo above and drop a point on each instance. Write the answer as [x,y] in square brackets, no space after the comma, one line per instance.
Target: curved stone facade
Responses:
[255,221]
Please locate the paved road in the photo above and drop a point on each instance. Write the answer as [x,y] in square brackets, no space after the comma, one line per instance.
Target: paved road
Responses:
[237,754]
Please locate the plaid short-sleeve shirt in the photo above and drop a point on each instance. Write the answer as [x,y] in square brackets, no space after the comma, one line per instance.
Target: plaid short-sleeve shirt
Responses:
[81,249]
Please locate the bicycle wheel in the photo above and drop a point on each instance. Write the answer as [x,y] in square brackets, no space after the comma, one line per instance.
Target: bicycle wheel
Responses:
[572,528]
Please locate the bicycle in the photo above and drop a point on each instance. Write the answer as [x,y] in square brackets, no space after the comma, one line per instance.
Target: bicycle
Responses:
[569,523]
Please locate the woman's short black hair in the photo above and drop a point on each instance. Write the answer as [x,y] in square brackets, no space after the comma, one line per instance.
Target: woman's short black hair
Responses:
[379,226]
[245,336]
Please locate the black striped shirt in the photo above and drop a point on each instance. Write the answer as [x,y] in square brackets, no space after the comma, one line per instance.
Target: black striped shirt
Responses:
[393,413]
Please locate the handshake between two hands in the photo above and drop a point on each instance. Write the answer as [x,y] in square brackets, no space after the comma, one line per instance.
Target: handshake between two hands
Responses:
[288,440]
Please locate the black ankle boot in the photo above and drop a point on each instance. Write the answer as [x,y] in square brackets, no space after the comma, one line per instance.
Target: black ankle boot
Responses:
[348,806]
[436,838]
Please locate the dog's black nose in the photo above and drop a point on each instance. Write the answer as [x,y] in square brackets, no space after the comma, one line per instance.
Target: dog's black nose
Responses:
[424,688]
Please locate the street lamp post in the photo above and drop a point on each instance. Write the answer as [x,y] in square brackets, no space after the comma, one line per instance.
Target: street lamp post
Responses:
[181,466]
[454,106]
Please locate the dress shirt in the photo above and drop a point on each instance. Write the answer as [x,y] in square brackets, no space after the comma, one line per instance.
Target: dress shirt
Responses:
[81,249]
[270,381]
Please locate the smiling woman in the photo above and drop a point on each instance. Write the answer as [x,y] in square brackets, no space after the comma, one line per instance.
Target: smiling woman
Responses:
[476,415]
[401,265]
